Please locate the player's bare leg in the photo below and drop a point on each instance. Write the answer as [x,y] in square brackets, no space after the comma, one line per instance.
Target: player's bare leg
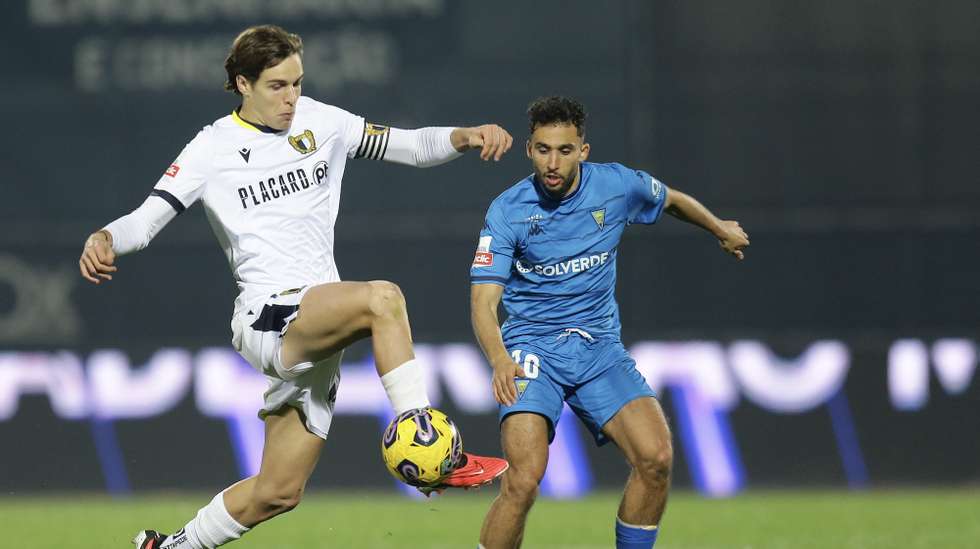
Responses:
[641,432]
[524,437]
[288,458]
[332,316]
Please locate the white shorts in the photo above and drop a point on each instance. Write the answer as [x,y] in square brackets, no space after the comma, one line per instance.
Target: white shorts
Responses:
[257,332]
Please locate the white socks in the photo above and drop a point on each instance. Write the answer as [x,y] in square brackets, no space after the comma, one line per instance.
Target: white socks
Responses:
[212,527]
[405,386]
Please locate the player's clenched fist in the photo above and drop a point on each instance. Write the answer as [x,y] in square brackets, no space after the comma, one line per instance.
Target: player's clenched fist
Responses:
[504,388]
[734,239]
[492,140]
[97,257]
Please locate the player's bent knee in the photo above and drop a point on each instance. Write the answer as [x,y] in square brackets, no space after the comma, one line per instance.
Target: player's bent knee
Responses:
[272,502]
[520,486]
[386,299]
[655,466]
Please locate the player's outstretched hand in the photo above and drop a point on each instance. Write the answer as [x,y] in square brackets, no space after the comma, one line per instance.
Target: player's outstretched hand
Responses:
[492,140]
[734,239]
[504,388]
[97,257]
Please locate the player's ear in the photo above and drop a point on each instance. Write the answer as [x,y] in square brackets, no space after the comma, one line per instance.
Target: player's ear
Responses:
[527,148]
[583,154]
[244,86]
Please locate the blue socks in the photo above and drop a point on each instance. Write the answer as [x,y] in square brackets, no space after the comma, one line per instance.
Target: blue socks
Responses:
[630,536]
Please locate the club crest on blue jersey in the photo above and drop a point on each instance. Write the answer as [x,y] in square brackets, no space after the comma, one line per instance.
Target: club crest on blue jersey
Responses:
[600,217]
[521,387]
[304,143]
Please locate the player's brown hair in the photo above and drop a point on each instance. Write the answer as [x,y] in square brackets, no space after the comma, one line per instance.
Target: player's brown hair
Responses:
[556,110]
[256,49]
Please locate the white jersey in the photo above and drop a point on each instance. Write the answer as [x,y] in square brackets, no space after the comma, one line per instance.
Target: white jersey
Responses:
[272,197]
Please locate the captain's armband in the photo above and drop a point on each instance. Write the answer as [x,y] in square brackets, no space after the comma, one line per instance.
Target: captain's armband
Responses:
[374,142]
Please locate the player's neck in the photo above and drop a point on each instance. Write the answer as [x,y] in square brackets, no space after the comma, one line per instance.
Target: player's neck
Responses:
[575,183]
[250,115]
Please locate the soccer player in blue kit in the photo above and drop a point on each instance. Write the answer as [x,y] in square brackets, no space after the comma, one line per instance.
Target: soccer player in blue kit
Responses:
[548,248]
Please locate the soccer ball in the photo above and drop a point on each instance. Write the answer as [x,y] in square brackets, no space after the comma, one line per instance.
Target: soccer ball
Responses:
[421,447]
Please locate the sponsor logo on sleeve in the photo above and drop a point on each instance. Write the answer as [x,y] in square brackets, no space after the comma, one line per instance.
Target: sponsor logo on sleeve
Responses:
[656,187]
[483,257]
[172,170]
[484,245]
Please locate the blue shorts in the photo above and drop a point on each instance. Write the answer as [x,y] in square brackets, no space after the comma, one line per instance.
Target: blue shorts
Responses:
[596,377]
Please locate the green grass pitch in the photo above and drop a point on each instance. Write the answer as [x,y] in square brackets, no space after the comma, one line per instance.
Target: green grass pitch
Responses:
[901,519]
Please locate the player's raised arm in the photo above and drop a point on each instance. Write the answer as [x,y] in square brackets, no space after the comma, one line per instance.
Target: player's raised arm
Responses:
[484,302]
[731,237]
[427,147]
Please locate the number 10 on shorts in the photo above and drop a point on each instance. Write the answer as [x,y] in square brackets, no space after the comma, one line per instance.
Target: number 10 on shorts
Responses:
[531,364]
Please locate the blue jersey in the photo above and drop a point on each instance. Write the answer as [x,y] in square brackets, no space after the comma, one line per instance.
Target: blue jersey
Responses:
[557,258]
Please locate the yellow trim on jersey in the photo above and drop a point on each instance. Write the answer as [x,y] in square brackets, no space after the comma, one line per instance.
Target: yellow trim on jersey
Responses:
[241,122]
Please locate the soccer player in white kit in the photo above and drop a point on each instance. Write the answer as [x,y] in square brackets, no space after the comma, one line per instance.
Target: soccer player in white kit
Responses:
[269,177]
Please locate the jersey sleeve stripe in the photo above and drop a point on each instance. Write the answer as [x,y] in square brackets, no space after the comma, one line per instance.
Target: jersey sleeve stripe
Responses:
[489,281]
[369,150]
[171,199]
[382,144]
[367,147]
[489,277]
[375,147]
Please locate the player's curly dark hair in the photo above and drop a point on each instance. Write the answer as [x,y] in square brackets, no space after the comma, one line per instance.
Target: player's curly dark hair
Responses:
[556,110]
[256,49]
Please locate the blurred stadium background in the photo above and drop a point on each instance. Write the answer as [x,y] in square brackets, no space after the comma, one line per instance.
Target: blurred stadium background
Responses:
[841,355]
